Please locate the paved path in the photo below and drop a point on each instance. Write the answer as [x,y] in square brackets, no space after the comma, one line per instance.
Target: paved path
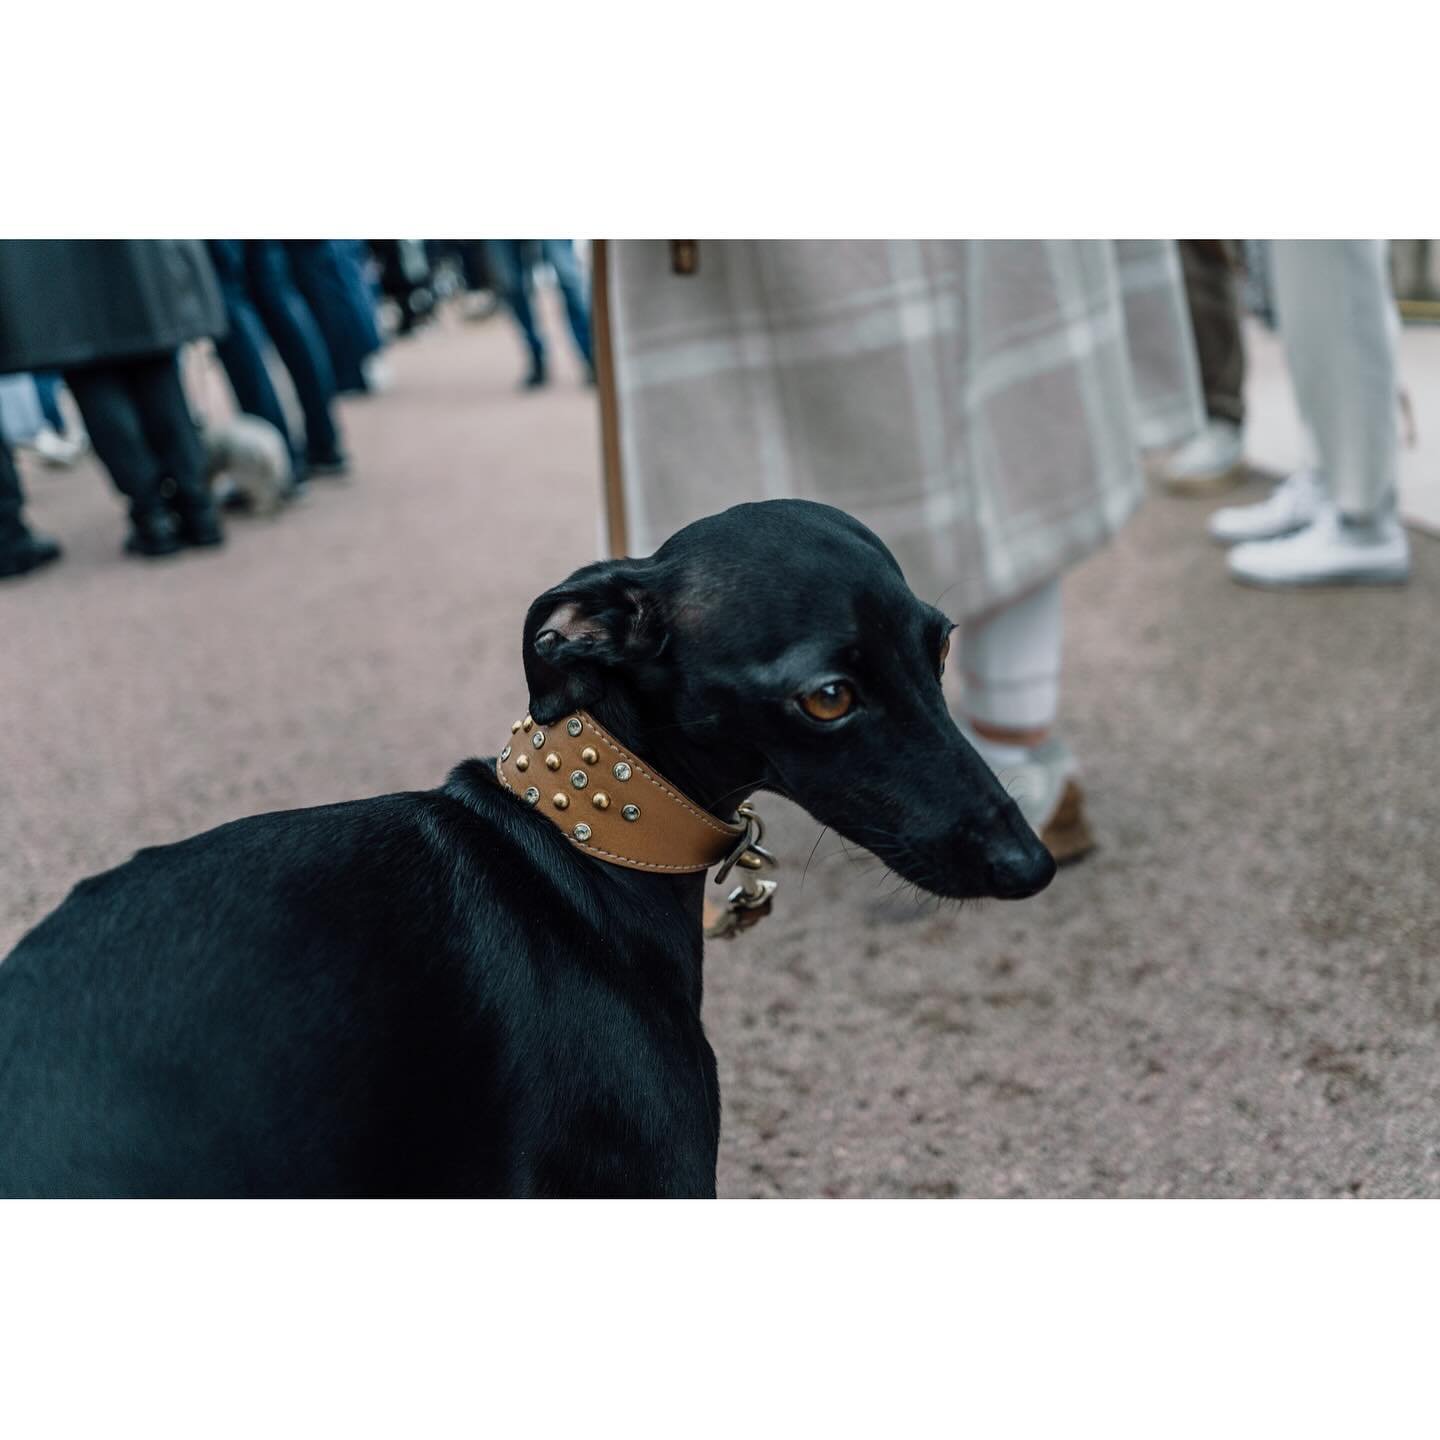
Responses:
[1239,994]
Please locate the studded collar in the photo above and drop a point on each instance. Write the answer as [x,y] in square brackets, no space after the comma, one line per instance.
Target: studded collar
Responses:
[606,801]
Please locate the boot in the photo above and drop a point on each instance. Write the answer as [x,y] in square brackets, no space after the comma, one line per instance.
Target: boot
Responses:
[197,519]
[23,551]
[152,531]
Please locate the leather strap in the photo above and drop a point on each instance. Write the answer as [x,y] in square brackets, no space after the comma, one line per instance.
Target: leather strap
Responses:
[607,801]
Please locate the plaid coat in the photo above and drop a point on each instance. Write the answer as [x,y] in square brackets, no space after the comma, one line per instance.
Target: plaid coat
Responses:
[980,405]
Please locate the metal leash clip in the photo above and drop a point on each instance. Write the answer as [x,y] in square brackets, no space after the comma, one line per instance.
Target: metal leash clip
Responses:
[749,901]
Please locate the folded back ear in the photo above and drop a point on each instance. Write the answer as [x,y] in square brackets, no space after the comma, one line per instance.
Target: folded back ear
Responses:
[578,634]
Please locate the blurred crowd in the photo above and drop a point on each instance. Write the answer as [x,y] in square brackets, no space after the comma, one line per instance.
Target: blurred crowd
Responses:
[99,341]
[986,407]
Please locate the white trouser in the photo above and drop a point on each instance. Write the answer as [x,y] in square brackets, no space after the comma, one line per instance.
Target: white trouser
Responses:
[1011,661]
[1338,322]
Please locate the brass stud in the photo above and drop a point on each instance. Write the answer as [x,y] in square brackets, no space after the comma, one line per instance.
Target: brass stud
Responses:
[631,812]
[538,739]
[622,770]
[600,800]
[750,861]
[514,727]
[527,723]
[531,796]
[581,832]
[573,725]
[552,761]
[505,753]
[560,800]
[579,779]
[522,762]
[590,755]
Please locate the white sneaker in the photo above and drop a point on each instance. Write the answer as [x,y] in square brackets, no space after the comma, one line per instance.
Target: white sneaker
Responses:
[57,449]
[377,372]
[1327,552]
[1292,505]
[1213,458]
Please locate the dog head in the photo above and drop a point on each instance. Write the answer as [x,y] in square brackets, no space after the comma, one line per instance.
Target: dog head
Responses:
[777,647]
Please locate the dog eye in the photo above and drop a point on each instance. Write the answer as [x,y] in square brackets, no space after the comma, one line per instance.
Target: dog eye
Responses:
[944,654]
[829,702]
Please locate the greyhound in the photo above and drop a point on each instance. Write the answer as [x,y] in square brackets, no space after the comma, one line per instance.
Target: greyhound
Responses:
[493,988]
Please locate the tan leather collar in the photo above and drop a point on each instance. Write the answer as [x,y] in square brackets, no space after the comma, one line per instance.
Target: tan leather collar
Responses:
[607,801]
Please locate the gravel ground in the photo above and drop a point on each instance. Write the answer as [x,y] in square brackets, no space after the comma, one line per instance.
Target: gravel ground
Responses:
[1239,994]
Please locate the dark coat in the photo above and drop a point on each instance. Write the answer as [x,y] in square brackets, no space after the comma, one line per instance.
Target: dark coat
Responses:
[71,303]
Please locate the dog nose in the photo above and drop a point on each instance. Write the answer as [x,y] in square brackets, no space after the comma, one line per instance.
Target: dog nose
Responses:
[1020,867]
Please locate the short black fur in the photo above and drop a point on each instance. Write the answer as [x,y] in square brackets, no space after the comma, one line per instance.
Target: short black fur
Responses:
[436,993]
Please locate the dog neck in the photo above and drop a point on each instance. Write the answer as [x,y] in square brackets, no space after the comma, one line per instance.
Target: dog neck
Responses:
[609,802]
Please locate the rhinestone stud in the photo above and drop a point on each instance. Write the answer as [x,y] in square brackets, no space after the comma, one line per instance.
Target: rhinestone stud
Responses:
[560,800]
[600,800]
[573,725]
[522,762]
[505,753]
[581,832]
[552,761]
[579,779]
[622,770]
[531,796]
[631,812]
[590,755]
[538,739]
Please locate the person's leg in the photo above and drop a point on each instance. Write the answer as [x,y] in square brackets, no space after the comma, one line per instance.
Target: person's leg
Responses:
[170,429]
[103,396]
[297,339]
[1338,323]
[1011,663]
[315,265]
[21,550]
[510,265]
[1215,456]
[47,386]
[242,350]
[561,255]
[12,496]
[1210,291]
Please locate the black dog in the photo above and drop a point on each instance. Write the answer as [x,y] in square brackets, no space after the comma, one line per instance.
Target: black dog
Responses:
[439,993]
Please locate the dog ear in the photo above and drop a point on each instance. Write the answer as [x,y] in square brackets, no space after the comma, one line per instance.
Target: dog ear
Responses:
[602,619]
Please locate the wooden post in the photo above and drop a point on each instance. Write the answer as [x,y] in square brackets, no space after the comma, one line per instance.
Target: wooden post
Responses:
[615,526]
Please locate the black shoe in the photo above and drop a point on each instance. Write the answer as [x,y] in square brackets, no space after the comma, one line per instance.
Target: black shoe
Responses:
[26,552]
[153,532]
[198,521]
[537,377]
[335,463]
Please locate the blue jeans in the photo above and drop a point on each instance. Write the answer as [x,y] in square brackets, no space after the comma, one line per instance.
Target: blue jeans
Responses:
[47,385]
[330,275]
[298,340]
[242,351]
[512,263]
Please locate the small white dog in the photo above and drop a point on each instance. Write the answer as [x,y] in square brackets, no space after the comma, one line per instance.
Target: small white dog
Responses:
[252,454]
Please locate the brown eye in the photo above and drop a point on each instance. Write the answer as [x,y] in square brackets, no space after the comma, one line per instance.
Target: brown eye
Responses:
[829,702]
[944,654]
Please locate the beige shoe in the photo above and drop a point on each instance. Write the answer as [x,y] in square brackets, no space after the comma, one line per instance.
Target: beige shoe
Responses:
[1213,460]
